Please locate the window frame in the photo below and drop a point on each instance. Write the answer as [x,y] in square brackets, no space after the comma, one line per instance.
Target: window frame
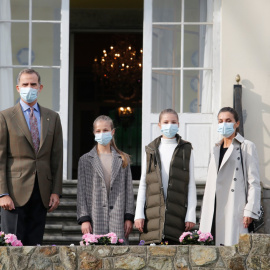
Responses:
[64,64]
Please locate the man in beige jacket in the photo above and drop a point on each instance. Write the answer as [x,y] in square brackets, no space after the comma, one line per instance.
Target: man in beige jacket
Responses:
[31,162]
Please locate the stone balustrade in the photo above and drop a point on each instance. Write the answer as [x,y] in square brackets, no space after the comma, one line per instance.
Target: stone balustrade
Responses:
[252,252]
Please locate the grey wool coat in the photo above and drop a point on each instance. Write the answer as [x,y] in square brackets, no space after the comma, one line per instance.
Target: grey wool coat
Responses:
[105,214]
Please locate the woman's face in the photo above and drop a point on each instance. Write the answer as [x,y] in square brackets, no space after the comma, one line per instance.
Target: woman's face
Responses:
[168,118]
[227,117]
[102,127]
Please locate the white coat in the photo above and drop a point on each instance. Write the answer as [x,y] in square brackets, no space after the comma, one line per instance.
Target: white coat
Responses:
[228,186]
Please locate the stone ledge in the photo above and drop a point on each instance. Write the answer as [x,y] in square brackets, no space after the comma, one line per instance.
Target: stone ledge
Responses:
[252,252]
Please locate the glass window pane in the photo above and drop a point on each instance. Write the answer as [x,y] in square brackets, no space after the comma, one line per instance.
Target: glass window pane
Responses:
[196,11]
[50,94]
[167,11]
[20,43]
[166,46]
[6,88]
[165,90]
[16,71]
[197,87]
[46,44]
[198,46]
[46,10]
[19,9]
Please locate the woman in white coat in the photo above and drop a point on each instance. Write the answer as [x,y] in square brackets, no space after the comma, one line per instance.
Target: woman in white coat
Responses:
[232,193]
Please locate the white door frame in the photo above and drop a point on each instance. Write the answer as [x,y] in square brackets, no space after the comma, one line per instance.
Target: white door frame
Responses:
[188,121]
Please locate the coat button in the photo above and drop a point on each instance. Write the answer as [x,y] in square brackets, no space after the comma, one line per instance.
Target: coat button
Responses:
[111,188]
[232,190]
[237,169]
[234,179]
[104,205]
[111,207]
[258,212]
[238,158]
[237,148]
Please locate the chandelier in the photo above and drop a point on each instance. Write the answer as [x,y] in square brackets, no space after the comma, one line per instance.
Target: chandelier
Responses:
[119,69]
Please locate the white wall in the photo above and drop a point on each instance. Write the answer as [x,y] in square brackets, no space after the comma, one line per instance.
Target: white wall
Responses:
[245,50]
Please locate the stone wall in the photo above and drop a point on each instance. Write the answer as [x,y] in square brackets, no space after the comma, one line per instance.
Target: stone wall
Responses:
[253,252]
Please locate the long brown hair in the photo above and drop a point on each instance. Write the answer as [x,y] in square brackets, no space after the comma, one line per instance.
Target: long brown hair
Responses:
[125,157]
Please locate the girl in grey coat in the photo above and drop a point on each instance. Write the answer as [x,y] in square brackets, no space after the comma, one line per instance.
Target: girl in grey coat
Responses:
[105,200]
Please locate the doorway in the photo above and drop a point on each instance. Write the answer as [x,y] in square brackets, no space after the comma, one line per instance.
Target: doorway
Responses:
[108,80]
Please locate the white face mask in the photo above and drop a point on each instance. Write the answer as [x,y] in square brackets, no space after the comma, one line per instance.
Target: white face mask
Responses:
[226,129]
[169,130]
[103,138]
[28,94]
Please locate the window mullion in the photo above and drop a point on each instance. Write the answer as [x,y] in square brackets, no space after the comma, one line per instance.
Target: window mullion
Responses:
[182,57]
[30,35]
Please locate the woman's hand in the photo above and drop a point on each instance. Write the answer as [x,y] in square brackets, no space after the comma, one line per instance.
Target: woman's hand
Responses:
[189,226]
[86,227]
[247,221]
[128,227]
[139,224]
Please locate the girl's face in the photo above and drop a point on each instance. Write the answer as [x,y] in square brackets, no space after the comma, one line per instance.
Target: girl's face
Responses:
[227,117]
[102,127]
[168,118]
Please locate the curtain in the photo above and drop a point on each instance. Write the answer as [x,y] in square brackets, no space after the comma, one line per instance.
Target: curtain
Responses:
[6,74]
[208,58]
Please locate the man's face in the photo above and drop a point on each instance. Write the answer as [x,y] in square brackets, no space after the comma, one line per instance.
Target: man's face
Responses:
[29,80]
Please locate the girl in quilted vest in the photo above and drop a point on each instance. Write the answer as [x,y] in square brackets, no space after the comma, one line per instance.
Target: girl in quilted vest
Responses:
[105,200]
[166,201]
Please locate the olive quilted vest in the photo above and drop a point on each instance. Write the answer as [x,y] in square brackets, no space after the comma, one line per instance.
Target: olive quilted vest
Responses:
[166,218]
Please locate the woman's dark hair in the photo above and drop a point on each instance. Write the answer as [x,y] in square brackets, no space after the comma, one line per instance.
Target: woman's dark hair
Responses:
[233,112]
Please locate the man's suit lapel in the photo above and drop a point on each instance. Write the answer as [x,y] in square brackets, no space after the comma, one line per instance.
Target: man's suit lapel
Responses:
[44,124]
[21,122]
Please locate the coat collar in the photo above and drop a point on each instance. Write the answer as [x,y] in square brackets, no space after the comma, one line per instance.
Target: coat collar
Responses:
[238,139]
[154,145]
[116,163]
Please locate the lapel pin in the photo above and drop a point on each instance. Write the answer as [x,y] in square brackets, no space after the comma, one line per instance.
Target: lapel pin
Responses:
[48,119]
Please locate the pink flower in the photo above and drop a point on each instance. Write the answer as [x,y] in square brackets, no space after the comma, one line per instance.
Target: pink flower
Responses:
[17,243]
[113,239]
[10,238]
[121,241]
[202,237]
[199,232]
[183,235]
[88,237]
[111,234]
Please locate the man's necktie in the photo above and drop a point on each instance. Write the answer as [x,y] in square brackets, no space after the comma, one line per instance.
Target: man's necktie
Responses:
[34,129]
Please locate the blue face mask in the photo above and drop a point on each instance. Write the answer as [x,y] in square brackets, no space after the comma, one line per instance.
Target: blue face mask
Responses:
[103,138]
[28,94]
[169,130]
[226,129]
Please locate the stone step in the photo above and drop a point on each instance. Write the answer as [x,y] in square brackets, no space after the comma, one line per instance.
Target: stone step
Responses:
[67,206]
